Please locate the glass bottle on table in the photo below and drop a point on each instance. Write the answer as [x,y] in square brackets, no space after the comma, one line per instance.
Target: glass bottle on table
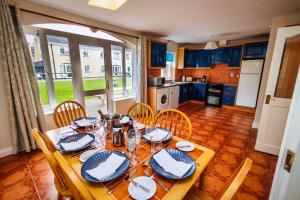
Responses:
[131,146]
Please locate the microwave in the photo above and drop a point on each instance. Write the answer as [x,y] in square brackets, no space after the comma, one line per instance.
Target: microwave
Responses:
[155,81]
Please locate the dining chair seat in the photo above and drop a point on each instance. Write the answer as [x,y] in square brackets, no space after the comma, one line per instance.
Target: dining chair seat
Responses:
[66,112]
[175,121]
[142,113]
[230,187]
[76,185]
[60,184]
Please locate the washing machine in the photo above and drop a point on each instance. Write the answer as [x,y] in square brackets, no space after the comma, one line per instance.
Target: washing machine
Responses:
[162,100]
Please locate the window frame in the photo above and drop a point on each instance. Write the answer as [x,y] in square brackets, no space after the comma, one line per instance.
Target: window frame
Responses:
[74,53]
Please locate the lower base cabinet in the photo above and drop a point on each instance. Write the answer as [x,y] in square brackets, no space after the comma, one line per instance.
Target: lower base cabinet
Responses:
[197,91]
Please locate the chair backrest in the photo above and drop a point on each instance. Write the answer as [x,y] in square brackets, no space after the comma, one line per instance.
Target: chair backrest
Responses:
[40,140]
[66,112]
[142,112]
[77,187]
[176,121]
[235,181]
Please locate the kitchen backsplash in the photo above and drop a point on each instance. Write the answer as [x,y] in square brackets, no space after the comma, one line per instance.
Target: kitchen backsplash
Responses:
[153,72]
[219,73]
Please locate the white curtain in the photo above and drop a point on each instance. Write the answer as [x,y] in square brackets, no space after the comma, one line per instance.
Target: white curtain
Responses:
[140,81]
[21,87]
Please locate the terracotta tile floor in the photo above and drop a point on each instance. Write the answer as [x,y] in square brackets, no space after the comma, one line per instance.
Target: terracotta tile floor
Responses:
[228,132]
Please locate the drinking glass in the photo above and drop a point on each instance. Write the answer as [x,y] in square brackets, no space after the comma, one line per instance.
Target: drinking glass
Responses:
[138,131]
[155,145]
[100,135]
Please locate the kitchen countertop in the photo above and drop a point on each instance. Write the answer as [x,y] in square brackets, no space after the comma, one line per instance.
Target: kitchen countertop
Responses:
[182,83]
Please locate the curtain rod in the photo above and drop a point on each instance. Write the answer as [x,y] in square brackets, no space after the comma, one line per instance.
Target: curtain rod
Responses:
[71,21]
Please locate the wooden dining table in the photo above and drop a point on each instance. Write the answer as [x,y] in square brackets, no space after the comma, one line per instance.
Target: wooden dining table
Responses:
[178,189]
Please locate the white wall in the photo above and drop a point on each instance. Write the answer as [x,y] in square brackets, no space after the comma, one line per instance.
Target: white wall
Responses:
[283,21]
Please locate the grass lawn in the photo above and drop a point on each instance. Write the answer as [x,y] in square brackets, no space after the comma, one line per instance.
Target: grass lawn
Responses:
[64,88]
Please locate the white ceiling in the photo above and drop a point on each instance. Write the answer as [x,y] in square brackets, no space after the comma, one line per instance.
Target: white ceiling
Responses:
[187,21]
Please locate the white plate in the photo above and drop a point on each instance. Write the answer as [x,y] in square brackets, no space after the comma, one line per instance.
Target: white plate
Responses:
[185,143]
[87,154]
[138,193]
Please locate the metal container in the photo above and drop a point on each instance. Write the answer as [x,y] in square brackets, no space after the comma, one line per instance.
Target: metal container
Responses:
[111,120]
[118,135]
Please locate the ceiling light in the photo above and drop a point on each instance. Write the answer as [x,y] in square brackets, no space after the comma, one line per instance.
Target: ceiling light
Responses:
[108,4]
[211,45]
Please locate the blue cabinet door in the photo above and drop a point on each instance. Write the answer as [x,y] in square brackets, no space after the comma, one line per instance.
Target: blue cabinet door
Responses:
[256,50]
[203,58]
[182,93]
[229,92]
[219,56]
[158,54]
[190,58]
[200,89]
[235,54]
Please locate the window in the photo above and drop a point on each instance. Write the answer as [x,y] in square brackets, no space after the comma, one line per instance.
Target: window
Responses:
[32,51]
[169,71]
[129,75]
[92,66]
[85,53]
[116,55]
[87,69]
[64,50]
[102,68]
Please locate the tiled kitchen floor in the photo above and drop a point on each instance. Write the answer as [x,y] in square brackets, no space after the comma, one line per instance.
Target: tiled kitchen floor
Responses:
[228,132]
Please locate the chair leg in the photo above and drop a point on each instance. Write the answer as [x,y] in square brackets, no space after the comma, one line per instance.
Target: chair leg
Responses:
[201,180]
[59,196]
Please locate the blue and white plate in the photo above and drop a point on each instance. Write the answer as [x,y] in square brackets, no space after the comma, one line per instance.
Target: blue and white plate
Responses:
[149,130]
[73,138]
[90,119]
[101,157]
[179,156]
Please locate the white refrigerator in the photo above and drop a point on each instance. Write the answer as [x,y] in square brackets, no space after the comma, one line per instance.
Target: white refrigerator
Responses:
[249,83]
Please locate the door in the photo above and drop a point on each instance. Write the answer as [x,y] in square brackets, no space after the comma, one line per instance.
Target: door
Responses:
[287,174]
[280,86]
[93,70]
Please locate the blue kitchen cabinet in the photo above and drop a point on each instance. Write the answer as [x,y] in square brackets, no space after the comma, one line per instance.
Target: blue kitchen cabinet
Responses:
[235,54]
[203,58]
[256,50]
[199,91]
[182,93]
[219,55]
[229,92]
[190,57]
[158,54]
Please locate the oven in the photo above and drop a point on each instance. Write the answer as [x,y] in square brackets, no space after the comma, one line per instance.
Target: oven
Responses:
[214,93]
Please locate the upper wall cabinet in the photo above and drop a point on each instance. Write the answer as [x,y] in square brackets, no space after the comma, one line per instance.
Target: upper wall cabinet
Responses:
[219,55]
[255,50]
[234,57]
[157,54]
[203,58]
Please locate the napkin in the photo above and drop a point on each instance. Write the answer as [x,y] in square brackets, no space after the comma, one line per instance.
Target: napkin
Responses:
[69,146]
[124,120]
[157,135]
[83,122]
[108,167]
[169,164]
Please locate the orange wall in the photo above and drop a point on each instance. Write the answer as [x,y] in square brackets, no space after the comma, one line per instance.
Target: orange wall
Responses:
[219,73]
[153,72]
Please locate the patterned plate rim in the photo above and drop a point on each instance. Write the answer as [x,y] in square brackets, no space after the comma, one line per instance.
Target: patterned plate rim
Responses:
[74,123]
[61,149]
[168,137]
[193,168]
[127,162]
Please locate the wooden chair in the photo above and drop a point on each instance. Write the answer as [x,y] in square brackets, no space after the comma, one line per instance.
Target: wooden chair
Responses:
[60,185]
[230,188]
[66,112]
[78,189]
[176,121]
[142,112]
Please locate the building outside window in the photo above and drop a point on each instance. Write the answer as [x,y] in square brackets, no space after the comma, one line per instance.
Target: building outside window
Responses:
[116,55]
[101,54]
[85,53]
[63,50]
[102,68]
[87,68]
